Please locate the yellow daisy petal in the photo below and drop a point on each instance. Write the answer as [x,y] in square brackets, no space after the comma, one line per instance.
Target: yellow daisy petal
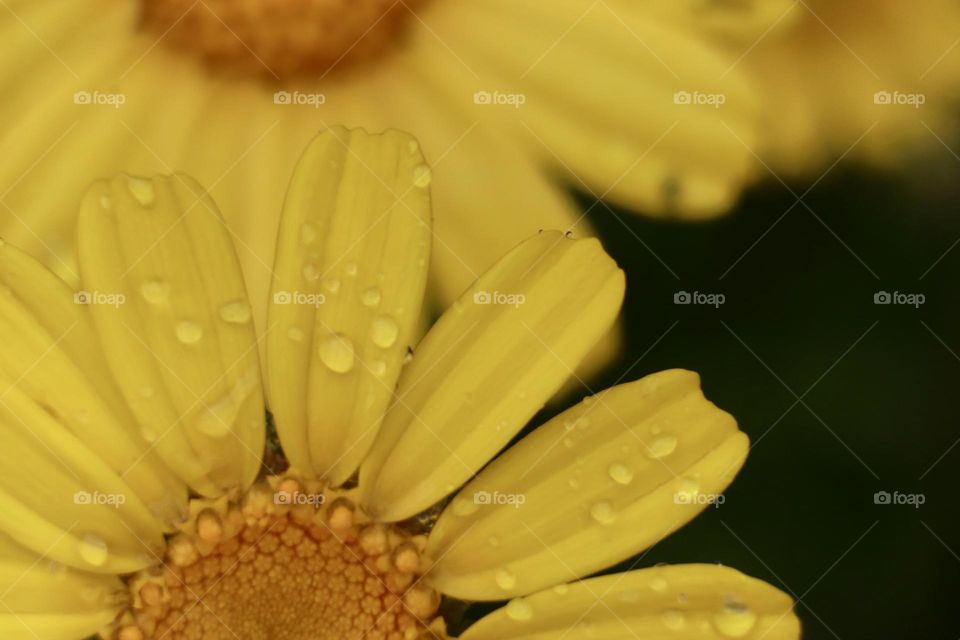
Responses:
[594,486]
[51,626]
[487,366]
[179,339]
[61,501]
[624,131]
[348,285]
[50,353]
[42,599]
[687,601]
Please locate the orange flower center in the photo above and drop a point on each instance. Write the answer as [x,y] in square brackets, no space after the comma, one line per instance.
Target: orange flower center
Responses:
[279,38]
[286,564]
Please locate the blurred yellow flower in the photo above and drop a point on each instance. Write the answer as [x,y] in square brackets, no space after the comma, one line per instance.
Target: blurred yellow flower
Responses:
[503,95]
[878,79]
[133,425]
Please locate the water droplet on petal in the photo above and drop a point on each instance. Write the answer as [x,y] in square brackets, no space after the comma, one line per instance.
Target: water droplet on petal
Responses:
[561,589]
[189,332]
[235,312]
[308,233]
[573,483]
[146,392]
[687,491]
[384,331]
[378,368]
[217,419]
[734,620]
[155,291]
[519,610]
[370,297]
[506,579]
[93,550]
[106,202]
[295,334]
[336,351]
[658,583]
[603,512]
[413,146]
[350,268]
[142,190]
[422,176]
[148,434]
[310,272]
[493,541]
[662,447]
[332,285]
[620,473]
[673,619]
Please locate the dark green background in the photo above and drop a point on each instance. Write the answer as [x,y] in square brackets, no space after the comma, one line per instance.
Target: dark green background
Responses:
[801,514]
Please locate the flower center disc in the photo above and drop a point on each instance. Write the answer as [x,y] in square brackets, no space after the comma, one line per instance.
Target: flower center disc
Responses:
[284,569]
[281,38]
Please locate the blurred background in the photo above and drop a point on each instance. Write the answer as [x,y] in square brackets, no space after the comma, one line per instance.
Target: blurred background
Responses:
[842,398]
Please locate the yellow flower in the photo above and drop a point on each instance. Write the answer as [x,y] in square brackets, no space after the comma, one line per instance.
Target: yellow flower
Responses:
[132,416]
[875,80]
[504,96]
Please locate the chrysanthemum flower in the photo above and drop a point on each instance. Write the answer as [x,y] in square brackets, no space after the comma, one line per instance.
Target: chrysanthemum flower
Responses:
[504,96]
[137,500]
[878,80]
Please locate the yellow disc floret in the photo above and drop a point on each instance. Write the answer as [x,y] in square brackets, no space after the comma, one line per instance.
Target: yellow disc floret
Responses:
[288,561]
[280,38]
